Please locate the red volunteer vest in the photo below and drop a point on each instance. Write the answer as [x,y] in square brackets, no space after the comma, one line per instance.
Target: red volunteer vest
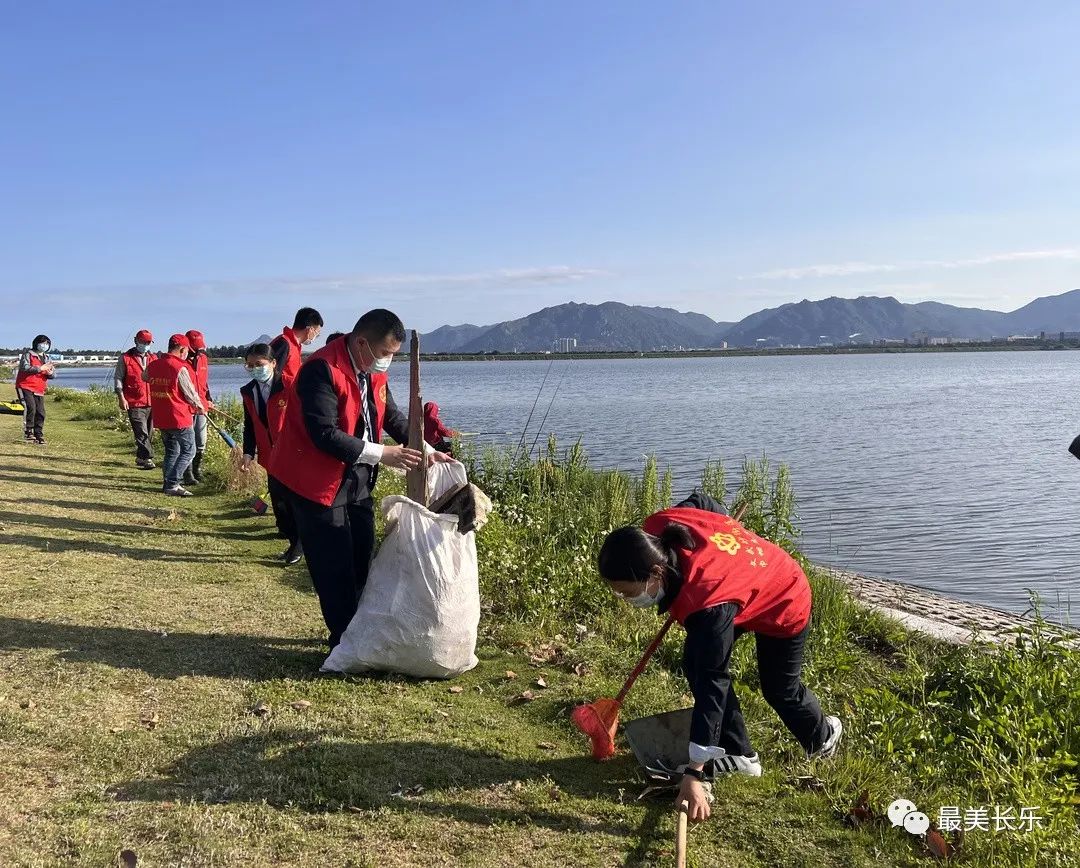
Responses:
[265,435]
[200,366]
[297,462]
[291,368]
[35,383]
[732,565]
[168,407]
[136,391]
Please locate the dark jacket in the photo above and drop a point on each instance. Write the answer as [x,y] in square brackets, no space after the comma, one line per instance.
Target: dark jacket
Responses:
[319,407]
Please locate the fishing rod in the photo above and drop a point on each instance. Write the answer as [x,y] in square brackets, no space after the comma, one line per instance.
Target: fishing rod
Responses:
[558,385]
[543,382]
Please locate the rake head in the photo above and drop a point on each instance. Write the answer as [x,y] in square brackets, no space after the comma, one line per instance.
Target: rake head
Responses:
[598,720]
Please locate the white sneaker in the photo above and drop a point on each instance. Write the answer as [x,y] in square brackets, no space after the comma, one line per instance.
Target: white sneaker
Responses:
[836,729]
[732,764]
[179,491]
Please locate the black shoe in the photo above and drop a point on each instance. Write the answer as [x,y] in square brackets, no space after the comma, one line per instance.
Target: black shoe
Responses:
[40,441]
[292,554]
[196,467]
[145,464]
[28,437]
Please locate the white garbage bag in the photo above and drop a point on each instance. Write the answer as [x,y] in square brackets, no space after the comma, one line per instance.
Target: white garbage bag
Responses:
[420,609]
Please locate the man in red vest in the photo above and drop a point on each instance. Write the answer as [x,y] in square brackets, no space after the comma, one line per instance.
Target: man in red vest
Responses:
[329,452]
[287,347]
[133,395]
[173,404]
[200,368]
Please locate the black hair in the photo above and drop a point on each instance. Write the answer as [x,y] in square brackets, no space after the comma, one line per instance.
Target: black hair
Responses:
[307,317]
[378,324]
[259,351]
[333,336]
[41,339]
[629,554]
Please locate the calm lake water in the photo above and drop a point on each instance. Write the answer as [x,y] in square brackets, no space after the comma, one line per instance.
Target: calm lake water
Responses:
[947,471]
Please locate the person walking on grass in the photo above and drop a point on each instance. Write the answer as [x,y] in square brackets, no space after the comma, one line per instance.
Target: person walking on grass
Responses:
[34,372]
[133,395]
[719,580]
[329,453]
[288,346]
[200,369]
[173,404]
[265,399]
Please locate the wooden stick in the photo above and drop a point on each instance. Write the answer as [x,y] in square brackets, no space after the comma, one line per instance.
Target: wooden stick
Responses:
[680,835]
[416,479]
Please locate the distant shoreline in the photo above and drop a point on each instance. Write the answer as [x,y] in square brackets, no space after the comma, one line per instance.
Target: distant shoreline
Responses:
[746,351]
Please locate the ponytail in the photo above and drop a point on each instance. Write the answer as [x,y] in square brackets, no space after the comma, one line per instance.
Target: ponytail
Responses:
[676,536]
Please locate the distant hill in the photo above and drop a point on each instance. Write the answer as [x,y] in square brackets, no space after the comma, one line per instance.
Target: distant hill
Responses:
[608,326]
[613,326]
[837,320]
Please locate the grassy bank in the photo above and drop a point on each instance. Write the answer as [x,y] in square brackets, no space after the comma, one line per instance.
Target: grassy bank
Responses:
[138,634]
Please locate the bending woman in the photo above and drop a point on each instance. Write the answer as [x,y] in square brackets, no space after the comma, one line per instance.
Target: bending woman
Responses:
[719,581]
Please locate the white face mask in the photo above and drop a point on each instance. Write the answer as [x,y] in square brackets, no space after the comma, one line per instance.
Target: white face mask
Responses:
[645,599]
[381,366]
[41,348]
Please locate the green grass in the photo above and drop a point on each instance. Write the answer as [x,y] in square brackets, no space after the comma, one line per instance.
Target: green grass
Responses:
[138,633]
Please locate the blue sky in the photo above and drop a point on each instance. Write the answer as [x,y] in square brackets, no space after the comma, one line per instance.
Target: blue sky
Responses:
[218,165]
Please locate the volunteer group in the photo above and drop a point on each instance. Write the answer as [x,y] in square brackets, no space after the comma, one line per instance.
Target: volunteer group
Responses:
[317,424]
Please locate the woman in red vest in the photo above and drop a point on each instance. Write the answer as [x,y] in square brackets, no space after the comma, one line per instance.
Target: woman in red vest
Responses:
[133,395]
[265,399]
[35,370]
[719,580]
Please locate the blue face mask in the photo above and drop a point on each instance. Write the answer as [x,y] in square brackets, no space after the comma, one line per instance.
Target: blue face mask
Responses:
[142,348]
[262,373]
[645,599]
[41,348]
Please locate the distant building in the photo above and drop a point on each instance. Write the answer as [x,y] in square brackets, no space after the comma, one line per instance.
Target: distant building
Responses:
[1022,339]
[565,345]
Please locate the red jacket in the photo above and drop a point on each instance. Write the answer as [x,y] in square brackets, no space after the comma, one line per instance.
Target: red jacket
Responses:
[297,462]
[136,390]
[289,354]
[169,408]
[434,429]
[200,366]
[32,382]
[732,565]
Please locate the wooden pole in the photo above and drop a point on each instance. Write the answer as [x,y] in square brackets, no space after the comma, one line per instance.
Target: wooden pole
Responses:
[680,835]
[416,479]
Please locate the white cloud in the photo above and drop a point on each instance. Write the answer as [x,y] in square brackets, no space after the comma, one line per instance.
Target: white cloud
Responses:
[846,269]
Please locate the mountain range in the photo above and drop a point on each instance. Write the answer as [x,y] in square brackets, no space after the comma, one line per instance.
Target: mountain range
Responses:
[613,326]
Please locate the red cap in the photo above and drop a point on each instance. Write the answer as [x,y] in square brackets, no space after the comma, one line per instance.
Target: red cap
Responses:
[198,342]
[179,341]
[144,337]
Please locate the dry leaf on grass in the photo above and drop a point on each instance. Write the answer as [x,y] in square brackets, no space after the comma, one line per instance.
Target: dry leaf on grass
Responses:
[149,719]
[937,845]
[262,710]
[860,812]
[523,697]
[300,705]
[457,688]
[404,792]
[511,674]
[581,670]
[28,703]
[555,794]
[541,683]
[546,745]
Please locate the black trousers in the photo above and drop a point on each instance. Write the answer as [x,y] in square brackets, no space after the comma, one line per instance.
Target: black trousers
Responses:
[283,511]
[718,717]
[34,414]
[339,542]
[142,426]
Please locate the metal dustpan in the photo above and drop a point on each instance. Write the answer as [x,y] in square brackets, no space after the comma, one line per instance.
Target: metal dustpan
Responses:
[661,743]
